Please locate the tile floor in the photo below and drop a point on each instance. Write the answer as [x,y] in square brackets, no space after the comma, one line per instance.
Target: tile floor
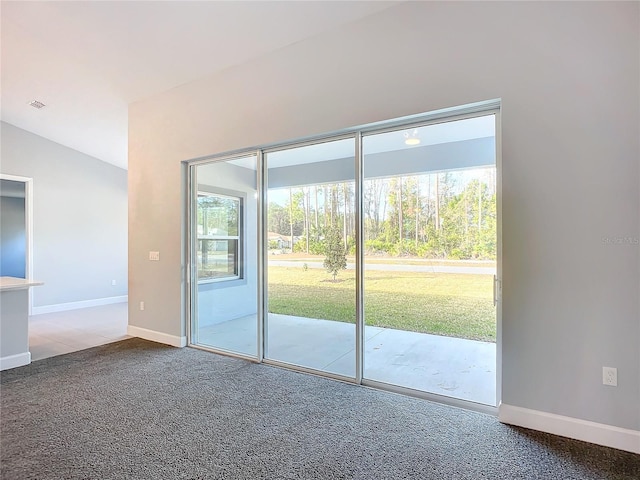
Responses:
[52,334]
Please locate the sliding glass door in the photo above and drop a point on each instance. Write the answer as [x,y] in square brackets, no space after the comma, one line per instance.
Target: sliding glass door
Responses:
[430,258]
[370,256]
[310,249]
[224,246]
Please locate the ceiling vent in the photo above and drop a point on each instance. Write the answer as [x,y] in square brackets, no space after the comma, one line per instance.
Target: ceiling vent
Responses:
[36,104]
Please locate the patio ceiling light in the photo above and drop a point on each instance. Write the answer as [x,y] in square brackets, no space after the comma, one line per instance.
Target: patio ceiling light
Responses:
[411,138]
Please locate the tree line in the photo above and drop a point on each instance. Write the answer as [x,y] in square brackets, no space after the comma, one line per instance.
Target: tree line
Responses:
[438,215]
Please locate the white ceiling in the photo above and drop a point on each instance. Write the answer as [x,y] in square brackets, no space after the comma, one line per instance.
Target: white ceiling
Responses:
[86,61]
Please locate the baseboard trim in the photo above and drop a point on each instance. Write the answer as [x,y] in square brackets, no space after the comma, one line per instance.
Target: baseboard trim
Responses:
[592,432]
[159,337]
[13,361]
[62,307]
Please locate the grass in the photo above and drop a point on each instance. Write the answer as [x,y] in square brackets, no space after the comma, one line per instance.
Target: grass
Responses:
[453,305]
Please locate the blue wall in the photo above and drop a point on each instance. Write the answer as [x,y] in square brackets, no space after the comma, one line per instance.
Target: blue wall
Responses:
[14,239]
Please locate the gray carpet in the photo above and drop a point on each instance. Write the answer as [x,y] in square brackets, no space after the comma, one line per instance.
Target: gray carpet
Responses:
[139,410]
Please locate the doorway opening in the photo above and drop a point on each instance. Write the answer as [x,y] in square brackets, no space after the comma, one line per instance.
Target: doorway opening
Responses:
[16,212]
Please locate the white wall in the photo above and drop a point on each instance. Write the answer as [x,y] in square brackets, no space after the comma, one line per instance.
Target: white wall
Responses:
[80,220]
[568,76]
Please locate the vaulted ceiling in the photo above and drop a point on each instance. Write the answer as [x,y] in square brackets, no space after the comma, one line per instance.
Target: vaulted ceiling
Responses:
[87,61]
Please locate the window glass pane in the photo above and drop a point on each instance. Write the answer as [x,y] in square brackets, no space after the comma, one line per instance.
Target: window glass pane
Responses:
[429,224]
[218,215]
[218,221]
[311,252]
[217,258]
[225,244]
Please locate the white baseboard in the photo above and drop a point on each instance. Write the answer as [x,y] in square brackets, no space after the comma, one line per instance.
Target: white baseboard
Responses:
[592,432]
[61,307]
[159,337]
[13,361]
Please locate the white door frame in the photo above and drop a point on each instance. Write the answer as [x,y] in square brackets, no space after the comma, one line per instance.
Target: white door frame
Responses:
[28,211]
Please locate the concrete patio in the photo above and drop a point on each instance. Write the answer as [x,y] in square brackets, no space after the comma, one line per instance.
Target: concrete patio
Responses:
[454,367]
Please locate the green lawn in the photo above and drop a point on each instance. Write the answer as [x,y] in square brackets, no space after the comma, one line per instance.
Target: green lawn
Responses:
[440,303]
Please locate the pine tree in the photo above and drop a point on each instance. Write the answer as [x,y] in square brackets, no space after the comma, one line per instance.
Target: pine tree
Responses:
[336,258]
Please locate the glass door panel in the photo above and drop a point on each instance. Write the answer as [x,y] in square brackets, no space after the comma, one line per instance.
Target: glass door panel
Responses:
[310,254]
[429,211]
[224,249]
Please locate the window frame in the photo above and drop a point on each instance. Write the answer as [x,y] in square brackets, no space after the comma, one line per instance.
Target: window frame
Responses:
[240,197]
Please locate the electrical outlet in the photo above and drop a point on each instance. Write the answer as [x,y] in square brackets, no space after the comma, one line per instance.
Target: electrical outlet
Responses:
[610,376]
[113,283]
[141,305]
[154,256]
